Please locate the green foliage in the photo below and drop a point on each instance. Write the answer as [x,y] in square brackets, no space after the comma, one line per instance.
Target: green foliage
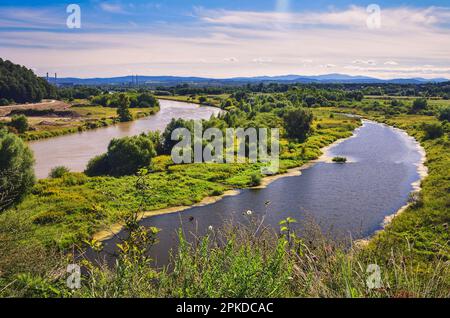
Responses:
[174,124]
[444,114]
[4,102]
[20,123]
[339,159]
[123,110]
[297,122]
[124,157]
[419,104]
[58,172]
[255,179]
[21,85]
[16,170]
[433,131]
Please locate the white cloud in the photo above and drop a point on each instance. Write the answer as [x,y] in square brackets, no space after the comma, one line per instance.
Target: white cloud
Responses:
[313,42]
[112,7]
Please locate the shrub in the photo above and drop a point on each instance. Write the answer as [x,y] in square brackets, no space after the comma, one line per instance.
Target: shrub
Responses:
[58,172]
[4,102]
[255,179]
[419,104]
[444,114]
[124,157]
[340,159]
[20,123]
[433,131]
[16,169]
[48,217]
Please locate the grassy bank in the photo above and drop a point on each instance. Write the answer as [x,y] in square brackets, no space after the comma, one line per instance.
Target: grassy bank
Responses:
[424,226]
[89,117]
[69,210]
[206,100]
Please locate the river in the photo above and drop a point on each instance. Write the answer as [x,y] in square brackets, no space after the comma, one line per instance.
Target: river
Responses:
[349,200]
[74,151]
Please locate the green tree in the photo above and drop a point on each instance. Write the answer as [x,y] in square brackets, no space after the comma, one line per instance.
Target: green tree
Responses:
[419,104]
[297,123]
[168,143]
[123,108]
[444,114]
[20,123]
[433,131]
[16,169]
[125,156]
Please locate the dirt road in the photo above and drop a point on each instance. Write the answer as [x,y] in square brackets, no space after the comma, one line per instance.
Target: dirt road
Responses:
[45,104]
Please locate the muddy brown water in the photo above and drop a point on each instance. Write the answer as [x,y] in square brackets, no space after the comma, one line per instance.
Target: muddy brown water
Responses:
[74,151]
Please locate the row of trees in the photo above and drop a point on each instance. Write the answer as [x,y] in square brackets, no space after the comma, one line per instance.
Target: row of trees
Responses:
[127,155]
[20,85]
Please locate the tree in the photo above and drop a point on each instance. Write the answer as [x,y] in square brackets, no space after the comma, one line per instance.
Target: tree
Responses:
[147,100]
[433,131]
[20,123]
[16,169]
[419,104]
[125,156]
[168,143]
[21,85]
[123,108]
[297,123]
[444,114]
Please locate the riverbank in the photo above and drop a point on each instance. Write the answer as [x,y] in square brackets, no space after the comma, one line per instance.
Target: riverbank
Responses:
[422,226]
[90,117]
[71,210]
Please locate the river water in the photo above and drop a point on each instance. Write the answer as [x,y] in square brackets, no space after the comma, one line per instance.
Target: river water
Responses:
[350,200]
[74,151]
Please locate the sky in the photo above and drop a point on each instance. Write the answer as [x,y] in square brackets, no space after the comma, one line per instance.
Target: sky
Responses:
[229,38]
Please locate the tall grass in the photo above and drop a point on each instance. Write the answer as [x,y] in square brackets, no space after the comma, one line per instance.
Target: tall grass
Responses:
[236,261]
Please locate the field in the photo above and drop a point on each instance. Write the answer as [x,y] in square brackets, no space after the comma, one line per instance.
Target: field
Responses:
[58,118]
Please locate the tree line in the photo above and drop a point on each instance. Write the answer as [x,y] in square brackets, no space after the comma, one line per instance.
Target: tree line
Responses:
[20,85]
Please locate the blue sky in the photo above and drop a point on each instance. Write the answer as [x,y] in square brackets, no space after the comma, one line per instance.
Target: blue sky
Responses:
[221,38]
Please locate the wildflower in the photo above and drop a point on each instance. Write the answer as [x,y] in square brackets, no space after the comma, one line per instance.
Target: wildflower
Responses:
[210,228]
[249,212]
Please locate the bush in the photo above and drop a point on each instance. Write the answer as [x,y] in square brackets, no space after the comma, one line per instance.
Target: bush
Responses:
[48,217]
[4,102]
[20,123]
[433,131]
[124,157]
[444,114]
[255,179]
[340,159]
[58,172]
[16,169]
[419,104]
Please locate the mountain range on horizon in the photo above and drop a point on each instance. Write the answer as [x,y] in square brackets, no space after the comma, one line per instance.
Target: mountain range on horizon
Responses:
[171,80]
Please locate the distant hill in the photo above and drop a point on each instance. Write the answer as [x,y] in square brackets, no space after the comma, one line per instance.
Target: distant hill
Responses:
[174,80]
[20,85]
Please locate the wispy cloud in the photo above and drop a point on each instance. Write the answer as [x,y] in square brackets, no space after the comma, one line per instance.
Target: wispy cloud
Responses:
[113,7]
[234,43]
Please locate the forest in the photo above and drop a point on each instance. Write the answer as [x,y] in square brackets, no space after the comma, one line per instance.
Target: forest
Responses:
[20,85]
